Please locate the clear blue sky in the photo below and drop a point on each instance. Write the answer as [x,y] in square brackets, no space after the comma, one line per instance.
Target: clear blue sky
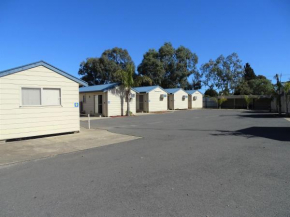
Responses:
[64,33]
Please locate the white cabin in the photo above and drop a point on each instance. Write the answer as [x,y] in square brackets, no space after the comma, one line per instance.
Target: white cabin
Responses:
[195,99]
[38,99]
[106,100]
[151,99]
[177,98]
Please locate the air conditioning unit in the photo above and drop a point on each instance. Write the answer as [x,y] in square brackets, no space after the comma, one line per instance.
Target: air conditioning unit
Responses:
[132,95]
[194,98]
[163,96]
[184,96]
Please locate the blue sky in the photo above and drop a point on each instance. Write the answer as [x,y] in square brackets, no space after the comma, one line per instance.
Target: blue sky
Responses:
[64,33]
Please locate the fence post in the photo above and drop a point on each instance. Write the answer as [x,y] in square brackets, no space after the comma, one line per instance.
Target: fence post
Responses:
[89,121]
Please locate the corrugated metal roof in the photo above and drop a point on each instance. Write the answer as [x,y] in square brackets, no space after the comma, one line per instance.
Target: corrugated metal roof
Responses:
[42,63]
[190,92]
[172,90]
[98,88]
[146,89]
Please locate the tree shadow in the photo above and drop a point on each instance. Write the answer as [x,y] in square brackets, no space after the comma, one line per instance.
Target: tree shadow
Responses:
[275,133]
[254,114]
[266,115]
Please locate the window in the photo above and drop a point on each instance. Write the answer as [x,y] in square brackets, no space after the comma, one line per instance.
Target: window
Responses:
[31,96]
[84,98]
[40,96]
[51,96]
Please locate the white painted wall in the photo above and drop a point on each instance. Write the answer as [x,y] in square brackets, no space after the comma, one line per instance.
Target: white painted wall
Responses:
[17,121]
[180,103]
[155,102]
[117,104]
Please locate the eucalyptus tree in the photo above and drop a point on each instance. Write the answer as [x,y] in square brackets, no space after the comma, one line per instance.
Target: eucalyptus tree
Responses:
[169,67]
[102,70]
[223,74]
[152,67]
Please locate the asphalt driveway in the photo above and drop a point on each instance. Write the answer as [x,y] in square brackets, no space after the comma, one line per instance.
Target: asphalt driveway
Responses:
[187,163]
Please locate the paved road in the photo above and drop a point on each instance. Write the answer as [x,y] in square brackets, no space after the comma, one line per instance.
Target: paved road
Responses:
[188,163]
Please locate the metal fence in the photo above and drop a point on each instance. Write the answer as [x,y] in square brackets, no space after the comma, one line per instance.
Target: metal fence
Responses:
[238,102]
[209,103]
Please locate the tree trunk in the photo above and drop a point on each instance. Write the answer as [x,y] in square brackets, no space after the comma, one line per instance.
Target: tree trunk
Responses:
[279,104]
[128,102]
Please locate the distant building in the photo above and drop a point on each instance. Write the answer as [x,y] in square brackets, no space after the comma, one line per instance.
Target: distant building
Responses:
[151,99]
[195,99]
[177,98]
[106,100]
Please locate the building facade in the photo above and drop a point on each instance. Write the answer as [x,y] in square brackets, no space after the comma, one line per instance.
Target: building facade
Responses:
[38,99]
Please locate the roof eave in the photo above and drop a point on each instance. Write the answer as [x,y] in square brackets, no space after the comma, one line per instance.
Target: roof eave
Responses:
[102,90]
[47,65]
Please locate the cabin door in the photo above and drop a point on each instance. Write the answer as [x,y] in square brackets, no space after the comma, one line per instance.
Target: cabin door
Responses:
[99,104]
[141,102]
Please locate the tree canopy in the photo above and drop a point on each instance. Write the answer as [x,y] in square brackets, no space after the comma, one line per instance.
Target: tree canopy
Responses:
[223,73]
[103,70]
[169,67]
[261,86]
[249,73]
[252,84]
[211,92]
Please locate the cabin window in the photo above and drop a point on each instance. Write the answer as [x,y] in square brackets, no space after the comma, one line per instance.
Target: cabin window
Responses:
[84,99]
[51,96]
[40,96]
[31,96]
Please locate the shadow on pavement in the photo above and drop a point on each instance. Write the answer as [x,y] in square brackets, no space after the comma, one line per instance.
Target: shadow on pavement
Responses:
[254,114]
[275,133]
[260,116]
